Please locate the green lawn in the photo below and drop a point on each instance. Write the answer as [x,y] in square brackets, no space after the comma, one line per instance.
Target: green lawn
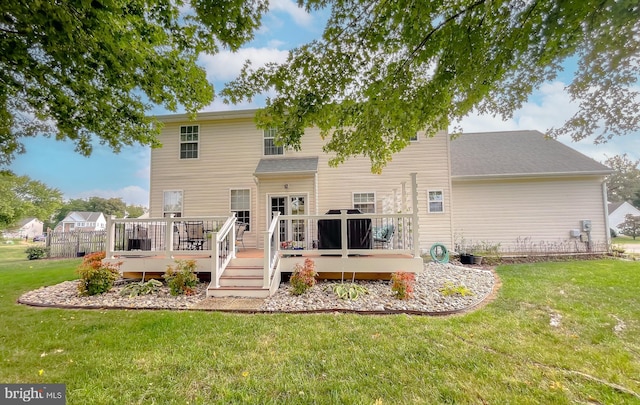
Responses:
[506,352]
[622,239]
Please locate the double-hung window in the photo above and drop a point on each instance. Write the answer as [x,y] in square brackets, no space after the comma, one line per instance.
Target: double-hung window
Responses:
[365,202]
[172,203]
[270,147]
[436,201]
[241,205]
[189,141]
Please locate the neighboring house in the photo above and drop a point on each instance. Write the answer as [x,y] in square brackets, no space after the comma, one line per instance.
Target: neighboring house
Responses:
[28,227]
[82,221]
[618,212]
[503,188]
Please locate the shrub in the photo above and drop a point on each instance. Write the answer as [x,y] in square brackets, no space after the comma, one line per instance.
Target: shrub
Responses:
[303,277]
[37,252]
[96,277]
[449,289]
[182,278]
[141,288]
[402,284]
[350,291]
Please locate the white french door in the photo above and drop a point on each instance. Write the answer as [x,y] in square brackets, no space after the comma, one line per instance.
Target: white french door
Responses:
[293,232]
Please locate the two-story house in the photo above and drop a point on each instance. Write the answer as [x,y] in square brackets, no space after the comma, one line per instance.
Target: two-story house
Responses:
[82,221]
[512,191]
[222,163]
[503,188]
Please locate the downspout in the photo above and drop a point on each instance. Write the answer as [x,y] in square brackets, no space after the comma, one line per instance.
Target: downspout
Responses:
[452,242]
[606,214]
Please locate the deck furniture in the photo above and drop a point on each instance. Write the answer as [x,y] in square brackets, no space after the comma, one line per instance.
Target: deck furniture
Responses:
[195,235]
[241,227]
[382,236]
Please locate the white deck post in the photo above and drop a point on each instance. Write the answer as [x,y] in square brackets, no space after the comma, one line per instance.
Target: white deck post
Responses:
[343,233]
[416,217]
[267,259]
[168,238]
[215,260]
[111,232]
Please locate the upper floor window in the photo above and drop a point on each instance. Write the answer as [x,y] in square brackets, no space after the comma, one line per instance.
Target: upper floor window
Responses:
[189,141]
[436,201]
[270,147]
[172,203]
[365,202]
[414,138]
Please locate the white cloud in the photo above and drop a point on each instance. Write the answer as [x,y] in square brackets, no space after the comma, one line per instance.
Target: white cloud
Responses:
[132,195]
[298,14]
[549,107]
[226,65]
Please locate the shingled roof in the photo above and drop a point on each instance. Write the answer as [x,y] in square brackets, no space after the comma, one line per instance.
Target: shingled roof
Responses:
[297,165]
[517,154]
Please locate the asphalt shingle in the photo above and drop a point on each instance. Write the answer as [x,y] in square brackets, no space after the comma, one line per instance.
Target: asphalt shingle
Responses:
[517,153]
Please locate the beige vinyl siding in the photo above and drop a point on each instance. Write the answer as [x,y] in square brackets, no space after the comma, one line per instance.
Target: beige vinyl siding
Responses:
[428,157]
[230,150]
[540,211]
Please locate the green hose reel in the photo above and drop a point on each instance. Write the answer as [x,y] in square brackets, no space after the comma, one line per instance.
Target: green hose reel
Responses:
[439,253]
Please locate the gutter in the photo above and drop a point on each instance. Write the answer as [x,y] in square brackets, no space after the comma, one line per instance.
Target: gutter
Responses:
[542,175]
[606,213]
[206,116]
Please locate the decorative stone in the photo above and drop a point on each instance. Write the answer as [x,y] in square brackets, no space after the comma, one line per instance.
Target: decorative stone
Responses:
[427,295]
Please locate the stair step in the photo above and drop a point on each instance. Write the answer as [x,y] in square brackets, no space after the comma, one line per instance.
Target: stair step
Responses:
[243,271]
[240,281]
[246,262]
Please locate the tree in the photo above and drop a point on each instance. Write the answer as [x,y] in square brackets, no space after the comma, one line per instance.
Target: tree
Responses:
[24,198]
[384,70]
[92,70]
[134,211]
[630,226]
[624,183]
[108,206]
[636,199]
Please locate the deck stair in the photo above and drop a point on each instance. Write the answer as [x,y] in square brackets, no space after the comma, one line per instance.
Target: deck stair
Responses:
[241,278]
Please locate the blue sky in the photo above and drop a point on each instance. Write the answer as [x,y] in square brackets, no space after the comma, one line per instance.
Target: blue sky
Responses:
[126,175]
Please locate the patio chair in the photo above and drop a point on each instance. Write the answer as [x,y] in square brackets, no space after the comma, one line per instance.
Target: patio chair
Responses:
[195,235]
[240,228]
[382,236]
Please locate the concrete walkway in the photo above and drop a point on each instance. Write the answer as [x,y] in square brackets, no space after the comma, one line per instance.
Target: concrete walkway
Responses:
[631,247]
[230,303]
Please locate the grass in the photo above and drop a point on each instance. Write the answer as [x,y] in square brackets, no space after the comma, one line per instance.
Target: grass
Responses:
[507,352]
[622,239]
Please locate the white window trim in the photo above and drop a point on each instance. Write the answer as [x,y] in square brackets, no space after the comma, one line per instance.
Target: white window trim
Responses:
[262,146]
[250,204]
[181,206]
[375,199]
[180,142]
[429,201]
[415,138]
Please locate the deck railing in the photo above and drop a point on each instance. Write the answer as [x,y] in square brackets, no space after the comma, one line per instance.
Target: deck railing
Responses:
[162,236]
[223,248]
[343,234]
[271,249]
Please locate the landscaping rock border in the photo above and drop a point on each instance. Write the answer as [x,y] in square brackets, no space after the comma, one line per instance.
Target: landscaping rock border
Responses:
[428,297]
